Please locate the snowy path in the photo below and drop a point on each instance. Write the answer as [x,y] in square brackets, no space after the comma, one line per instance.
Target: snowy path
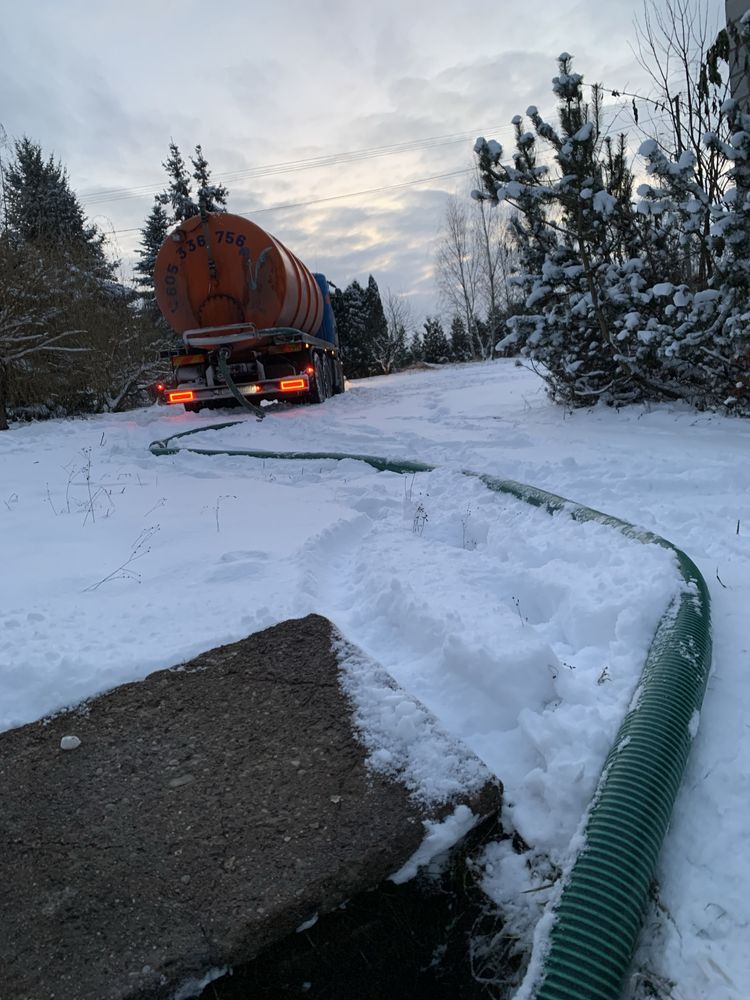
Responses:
[524,633]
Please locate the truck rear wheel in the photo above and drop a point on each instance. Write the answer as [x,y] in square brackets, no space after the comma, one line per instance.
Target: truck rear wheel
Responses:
[328,375]
[317,392]
[337,381]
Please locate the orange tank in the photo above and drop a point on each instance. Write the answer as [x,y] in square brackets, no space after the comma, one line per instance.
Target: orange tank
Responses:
[226,270]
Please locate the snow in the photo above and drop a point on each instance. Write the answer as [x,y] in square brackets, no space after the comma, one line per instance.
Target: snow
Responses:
[194,987]
[523,634]
[604,203]
[707,295]
[439,838]
[403,740]
[584,133]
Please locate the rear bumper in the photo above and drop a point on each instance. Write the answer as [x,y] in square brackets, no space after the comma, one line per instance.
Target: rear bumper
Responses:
[277,388]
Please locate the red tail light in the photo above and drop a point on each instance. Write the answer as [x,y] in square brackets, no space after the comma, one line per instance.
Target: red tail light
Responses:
[183,396]
[291,384]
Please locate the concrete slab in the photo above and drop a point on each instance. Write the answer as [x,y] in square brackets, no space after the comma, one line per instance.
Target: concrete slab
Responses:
[208,811]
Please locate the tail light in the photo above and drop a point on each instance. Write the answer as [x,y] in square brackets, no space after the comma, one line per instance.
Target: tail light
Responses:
[292,384]
[182,396]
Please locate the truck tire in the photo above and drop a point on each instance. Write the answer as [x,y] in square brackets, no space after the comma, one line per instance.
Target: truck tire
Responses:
[317,392]
[338,377]
[328,375]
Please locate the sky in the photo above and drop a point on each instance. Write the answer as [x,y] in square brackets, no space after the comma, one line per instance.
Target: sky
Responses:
[269,89]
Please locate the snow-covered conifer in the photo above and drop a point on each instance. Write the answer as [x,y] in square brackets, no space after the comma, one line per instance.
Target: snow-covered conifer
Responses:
[460,345]
[41,208]
[210,197]
[356,350]
[435,346]
[178,194]
[153,235]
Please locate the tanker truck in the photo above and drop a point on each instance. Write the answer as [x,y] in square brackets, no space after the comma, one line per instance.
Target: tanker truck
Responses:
[254,322]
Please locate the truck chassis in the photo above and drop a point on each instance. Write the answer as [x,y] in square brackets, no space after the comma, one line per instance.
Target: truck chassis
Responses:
[221,366]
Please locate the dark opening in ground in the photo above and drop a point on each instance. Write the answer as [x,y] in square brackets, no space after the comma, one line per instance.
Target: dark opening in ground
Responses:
[437,937]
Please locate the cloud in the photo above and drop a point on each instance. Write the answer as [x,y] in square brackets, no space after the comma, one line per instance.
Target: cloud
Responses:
[105,88]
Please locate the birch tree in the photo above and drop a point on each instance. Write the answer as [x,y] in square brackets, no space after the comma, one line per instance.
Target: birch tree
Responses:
[390,348]
[459,266]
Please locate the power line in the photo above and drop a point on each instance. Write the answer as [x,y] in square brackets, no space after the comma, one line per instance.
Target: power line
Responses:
[338,197]
[368,153]
[288,166]
[333,197]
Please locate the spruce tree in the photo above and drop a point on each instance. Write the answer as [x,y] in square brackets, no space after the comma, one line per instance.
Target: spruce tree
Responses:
[415,349]
[355,348]
[435,346]
[460,344]
[210,197]
[577,232]
[376,325]
[178,194]
[340,313]
[153,235]
[628,301]
[41,209]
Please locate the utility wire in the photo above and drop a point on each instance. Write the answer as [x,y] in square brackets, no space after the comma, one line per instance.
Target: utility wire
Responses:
[287,166]
[349,194]
[333,197]
[368,153]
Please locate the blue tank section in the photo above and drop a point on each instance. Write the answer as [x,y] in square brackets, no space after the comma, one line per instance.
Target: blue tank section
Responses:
[327,329]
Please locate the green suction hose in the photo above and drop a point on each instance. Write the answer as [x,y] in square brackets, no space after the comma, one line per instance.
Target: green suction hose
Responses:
[601,904]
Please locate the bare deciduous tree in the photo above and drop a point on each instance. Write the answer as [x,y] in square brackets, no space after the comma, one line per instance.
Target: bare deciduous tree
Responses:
[389,350]
[676,43]
[459,264]
[31,320]
[496,293]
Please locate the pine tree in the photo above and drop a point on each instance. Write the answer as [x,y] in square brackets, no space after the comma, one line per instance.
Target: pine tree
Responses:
[376,325]
[41,208]
[353,336]
[435,346]
[210,197]
[627,302]
[361,324]
[576,232]
[340,313]
[460,344]
[153,235]
[415,349]
[178,194]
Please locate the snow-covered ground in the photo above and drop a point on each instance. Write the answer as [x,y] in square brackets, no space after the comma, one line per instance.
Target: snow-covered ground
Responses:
[524,633]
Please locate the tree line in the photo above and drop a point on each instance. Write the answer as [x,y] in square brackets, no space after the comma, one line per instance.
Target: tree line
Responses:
[74,337]
[613,286]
